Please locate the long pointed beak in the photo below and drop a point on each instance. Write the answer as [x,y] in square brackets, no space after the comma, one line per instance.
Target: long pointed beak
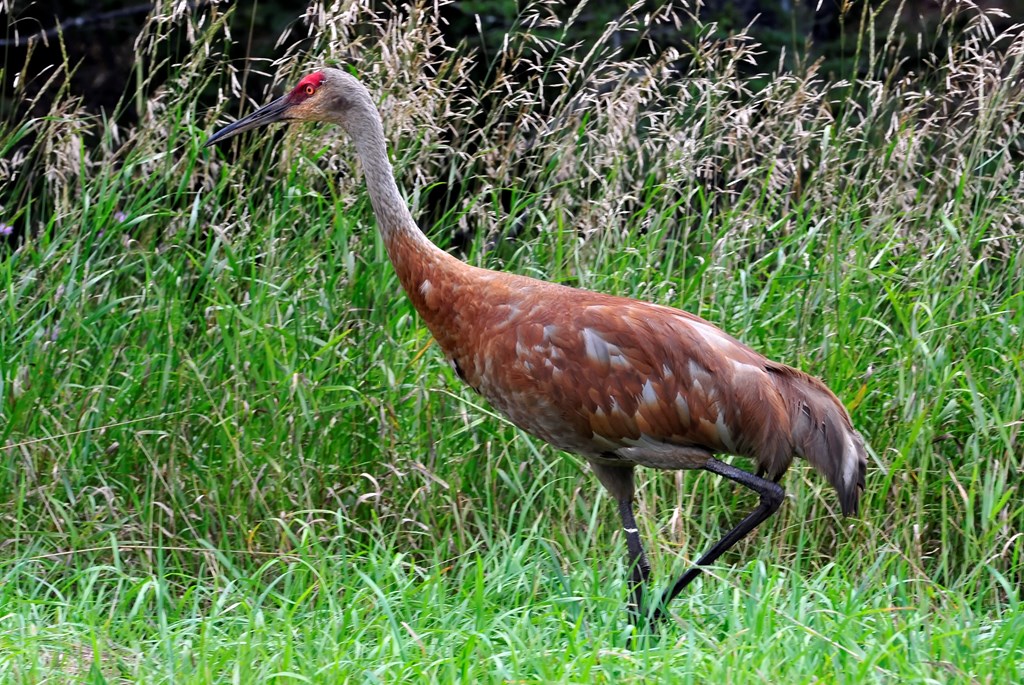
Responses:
[268,114]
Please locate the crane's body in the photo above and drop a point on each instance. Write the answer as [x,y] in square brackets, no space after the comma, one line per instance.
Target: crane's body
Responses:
[621,382]
[618,381]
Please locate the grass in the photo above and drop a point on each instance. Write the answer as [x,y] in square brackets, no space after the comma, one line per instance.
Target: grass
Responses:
[231,452]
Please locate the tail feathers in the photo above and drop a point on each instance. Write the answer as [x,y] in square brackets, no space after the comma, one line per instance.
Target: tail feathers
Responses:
[823,434]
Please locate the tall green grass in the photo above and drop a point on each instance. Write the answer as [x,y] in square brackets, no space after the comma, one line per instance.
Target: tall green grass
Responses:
[231,452]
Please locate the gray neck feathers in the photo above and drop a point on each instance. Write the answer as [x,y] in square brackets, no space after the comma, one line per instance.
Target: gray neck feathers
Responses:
[363,125]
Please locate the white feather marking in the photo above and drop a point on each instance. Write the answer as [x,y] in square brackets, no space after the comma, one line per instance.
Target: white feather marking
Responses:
[723,432]
[649,395]
[683,409]
[849,460]
[712,335]
[617,359]
[744,368]
[596,347]
[696,369]
[425,288]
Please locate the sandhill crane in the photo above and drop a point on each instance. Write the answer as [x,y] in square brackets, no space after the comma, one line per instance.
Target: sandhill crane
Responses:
[622,383]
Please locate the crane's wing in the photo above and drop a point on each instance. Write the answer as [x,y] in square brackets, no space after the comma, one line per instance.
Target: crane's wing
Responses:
[612,377]
[616,379]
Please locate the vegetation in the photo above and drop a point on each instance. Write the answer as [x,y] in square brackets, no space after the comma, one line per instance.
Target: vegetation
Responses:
[231,452]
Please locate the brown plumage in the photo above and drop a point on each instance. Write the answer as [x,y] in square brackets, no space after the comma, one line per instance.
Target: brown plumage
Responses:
[622,383]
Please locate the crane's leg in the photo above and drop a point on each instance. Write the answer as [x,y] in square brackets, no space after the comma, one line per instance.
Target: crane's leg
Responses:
[618,480]
[771,497]
[640,568]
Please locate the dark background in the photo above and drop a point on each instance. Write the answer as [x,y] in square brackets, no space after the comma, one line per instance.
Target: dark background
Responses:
[98,36]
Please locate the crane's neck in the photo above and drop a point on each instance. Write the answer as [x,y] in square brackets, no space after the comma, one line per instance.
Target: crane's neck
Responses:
[393,216]
[415,258]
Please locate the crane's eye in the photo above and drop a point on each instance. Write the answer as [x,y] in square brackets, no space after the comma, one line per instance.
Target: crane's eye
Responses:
[310,89]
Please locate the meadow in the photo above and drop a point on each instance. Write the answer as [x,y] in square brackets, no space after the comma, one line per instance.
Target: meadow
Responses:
[230,452]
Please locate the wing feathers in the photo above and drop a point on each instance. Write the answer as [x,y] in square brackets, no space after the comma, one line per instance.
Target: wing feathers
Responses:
[589,372]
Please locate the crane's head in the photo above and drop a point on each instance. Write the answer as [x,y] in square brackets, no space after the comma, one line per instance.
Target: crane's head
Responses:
[324,95]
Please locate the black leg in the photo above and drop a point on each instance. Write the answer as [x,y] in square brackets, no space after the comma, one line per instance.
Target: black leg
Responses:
[640,568]
[771,497]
